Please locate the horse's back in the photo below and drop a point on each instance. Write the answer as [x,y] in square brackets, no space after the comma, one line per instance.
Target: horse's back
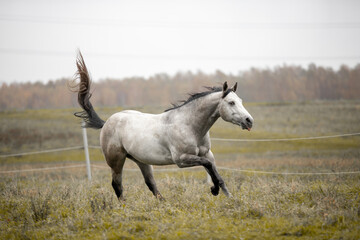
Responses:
[140,135]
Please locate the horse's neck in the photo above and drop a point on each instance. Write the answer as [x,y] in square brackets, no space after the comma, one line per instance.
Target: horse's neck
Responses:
[203,113]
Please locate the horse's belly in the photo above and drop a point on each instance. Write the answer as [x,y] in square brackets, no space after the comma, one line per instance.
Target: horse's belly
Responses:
[152,155]
[148,148]
[155,161]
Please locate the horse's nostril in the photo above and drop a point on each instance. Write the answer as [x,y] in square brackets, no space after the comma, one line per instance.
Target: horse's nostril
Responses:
[248,120]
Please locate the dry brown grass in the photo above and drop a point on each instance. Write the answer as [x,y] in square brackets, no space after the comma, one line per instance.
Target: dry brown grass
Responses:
[62,204]
[51,205]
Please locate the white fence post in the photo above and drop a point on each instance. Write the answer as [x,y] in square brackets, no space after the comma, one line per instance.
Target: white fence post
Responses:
[86,150]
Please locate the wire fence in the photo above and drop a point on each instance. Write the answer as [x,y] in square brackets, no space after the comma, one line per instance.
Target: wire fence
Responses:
[180,169]
[177,169]
[40,152]
[43,169]
[285,139]
[212,139]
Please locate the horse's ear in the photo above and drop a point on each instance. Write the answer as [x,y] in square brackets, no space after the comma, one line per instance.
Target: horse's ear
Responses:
[234,87]
[225,86]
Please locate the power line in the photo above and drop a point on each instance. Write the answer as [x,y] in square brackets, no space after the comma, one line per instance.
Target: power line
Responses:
[32,52]
[171,25]
[35,52]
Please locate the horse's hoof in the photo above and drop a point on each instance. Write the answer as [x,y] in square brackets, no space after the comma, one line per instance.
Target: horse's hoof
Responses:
[226,192]
[229,195]
[158,196]
[215,190]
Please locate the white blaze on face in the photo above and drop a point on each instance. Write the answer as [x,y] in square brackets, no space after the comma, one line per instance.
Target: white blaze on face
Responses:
[232,110]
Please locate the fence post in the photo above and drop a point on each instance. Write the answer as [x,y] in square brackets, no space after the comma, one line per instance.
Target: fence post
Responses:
[86,150]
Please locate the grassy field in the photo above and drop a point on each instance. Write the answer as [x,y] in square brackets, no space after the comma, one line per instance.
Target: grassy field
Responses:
[62,204]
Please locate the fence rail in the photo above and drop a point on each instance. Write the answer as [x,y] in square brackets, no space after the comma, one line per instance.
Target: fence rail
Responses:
[43,169]
[180,169]
[213,139]
[285,139]
[40,152]
[176,169]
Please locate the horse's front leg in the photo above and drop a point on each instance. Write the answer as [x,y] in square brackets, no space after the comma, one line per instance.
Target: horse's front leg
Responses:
[209,155]
[189,160]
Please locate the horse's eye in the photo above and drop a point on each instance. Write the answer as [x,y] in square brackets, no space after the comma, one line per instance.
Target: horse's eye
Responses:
[232,103]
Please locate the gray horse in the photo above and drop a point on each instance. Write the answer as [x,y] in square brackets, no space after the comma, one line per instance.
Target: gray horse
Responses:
[178,136]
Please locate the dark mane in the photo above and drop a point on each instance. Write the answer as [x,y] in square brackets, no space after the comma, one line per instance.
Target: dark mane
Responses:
[194,96]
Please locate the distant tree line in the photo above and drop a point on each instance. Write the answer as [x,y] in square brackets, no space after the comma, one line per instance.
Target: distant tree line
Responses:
[285,83]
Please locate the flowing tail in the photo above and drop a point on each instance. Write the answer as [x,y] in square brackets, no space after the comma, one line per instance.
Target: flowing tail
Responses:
[90,117]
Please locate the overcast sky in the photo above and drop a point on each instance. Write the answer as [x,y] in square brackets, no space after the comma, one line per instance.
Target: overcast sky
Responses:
[120,39]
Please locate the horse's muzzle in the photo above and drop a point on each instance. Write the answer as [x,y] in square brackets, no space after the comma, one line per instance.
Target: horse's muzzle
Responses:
[247,124]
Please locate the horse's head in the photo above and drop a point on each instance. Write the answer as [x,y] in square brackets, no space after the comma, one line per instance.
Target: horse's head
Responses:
[232,110]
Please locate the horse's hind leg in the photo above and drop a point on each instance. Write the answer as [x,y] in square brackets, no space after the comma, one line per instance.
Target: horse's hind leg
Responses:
[117,183]
[147,172]
[117,163]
